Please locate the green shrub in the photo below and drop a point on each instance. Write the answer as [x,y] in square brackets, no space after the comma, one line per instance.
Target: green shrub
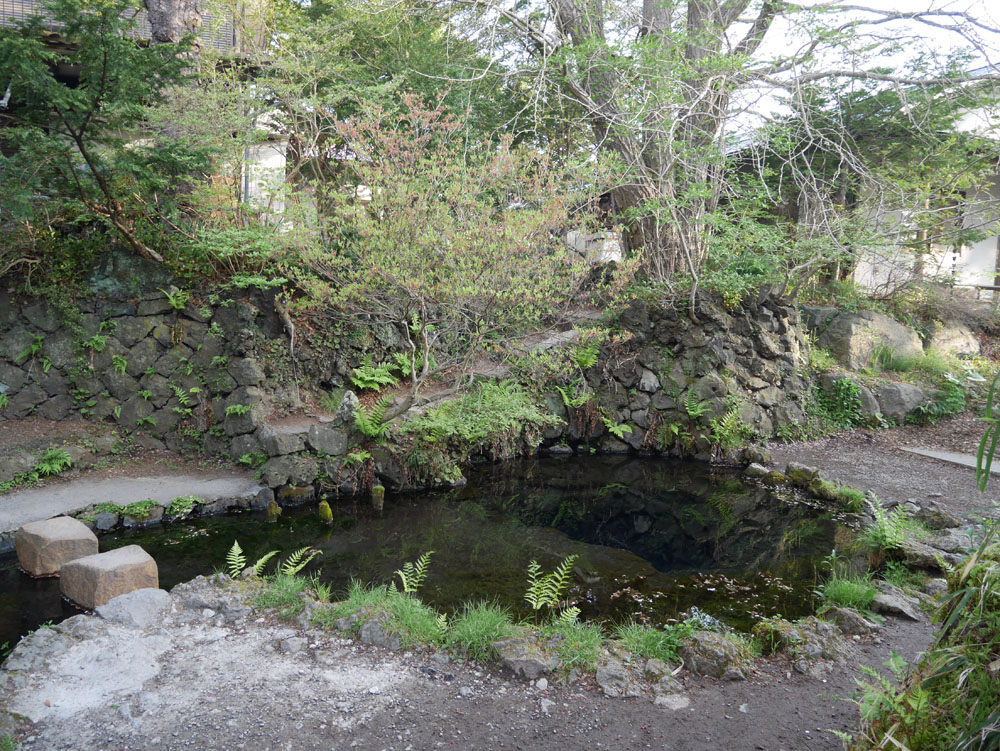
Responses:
[841,405]
[477,626]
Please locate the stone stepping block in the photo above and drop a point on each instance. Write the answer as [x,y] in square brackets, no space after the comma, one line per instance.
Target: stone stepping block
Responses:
[44,547]
[95,580]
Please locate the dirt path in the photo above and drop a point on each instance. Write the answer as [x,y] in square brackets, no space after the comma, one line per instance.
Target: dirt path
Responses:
[189,680]
[872,460]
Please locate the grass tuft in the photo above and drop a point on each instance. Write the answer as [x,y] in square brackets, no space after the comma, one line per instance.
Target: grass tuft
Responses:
[477,626]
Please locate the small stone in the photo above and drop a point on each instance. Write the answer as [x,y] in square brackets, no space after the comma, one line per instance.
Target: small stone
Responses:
[935,587]
[293,645]
[541,684]
[465,691]
[546,705]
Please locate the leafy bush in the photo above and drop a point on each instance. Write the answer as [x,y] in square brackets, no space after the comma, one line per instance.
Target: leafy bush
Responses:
[497,419]
[841,405]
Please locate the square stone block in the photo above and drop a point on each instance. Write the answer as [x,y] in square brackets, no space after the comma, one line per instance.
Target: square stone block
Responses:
[44,547]
[96,579]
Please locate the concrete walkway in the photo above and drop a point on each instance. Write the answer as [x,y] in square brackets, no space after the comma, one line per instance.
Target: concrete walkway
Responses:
[35,504]
[963,460]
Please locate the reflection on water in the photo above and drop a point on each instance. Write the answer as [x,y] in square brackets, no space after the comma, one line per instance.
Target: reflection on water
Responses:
[653,537]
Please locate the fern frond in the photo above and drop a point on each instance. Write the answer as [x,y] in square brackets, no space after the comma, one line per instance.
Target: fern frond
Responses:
[441,623]
[568,616]
[413,573]
[371,422]
[297,561]
[544,590]
[236,561]
[258,567]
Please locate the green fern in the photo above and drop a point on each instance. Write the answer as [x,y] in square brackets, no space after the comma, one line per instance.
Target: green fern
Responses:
[52,462]
[545,590]
[618,430]
[441,624]
[568,616]
[258,567]
[374,377]
[695,408]
[181,394]
[371,423]
[236,561]
[413,573]
[730,431]
[297,561]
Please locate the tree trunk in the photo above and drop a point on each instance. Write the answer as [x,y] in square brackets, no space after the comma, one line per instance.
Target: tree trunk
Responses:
[172,20]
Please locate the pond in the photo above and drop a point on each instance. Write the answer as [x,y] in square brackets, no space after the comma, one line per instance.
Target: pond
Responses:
[653,538]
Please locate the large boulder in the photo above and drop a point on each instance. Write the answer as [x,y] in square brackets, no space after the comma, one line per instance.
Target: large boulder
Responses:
[952,338]
[897,400]
[856,338]
[97,579]
[44,547]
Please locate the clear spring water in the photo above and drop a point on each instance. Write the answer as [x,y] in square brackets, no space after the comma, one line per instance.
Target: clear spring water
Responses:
[654,537]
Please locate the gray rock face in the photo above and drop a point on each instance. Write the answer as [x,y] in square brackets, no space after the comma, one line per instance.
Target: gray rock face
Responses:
[279,443]
[711,654]
[246,372]
[525,658]
[615,680]
[952,338]
[327,440]
[855,338]
[809,638]
[376,633]
[897,400]
[139,609]
[850,621]
[892,601]
[921,555]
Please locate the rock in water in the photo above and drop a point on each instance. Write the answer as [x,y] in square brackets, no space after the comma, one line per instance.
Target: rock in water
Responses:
[44,547]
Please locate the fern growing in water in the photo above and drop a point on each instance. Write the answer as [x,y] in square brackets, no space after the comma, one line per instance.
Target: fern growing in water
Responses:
[371,422]
[545,590]
[413,573]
